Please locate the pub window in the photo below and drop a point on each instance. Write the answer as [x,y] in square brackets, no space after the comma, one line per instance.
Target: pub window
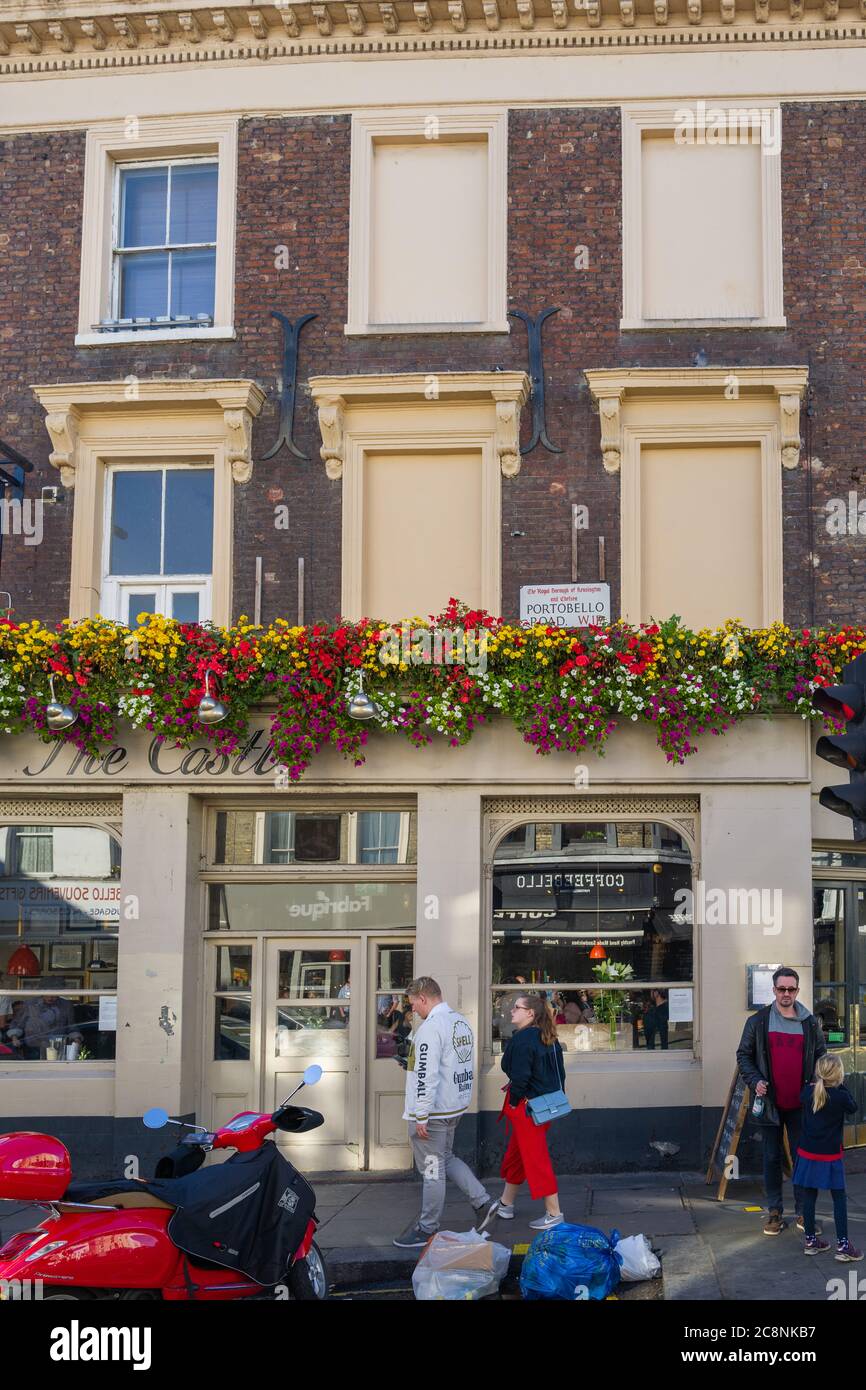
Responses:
[379,837]
[164,253]
[159,543]
[580,903]
[59,918]
[245,837]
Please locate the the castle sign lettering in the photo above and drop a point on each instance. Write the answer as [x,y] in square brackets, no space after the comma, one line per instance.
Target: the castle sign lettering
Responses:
[59,761]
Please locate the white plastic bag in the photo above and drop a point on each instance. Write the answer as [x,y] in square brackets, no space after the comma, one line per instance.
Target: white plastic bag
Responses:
[459,1265]
[638,1260]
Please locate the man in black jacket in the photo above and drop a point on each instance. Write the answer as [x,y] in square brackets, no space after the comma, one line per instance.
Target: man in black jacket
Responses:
[776,1057]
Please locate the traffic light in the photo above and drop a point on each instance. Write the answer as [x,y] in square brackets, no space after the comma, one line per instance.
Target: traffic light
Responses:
[846,702]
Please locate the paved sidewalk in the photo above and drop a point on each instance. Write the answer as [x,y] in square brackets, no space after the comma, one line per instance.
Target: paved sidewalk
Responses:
[710,1250]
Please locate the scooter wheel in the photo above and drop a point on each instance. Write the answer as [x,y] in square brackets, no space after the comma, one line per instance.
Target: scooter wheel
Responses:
[308,1279]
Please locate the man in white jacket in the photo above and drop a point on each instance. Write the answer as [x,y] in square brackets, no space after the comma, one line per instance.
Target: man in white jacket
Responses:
[439,1078]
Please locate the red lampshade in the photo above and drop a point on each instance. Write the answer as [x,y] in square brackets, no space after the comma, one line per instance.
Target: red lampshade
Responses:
[336,955]
[24,963]
[598,952]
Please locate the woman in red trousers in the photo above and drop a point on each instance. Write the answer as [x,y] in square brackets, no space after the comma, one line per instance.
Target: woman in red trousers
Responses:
[532,1061]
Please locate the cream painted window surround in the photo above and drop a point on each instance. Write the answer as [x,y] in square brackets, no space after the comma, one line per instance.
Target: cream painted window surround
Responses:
[646,407]
[129,141]
[646,119]
[457,412]
[95,424]
[446,124]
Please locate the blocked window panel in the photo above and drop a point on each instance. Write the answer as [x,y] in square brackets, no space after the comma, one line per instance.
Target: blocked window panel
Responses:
[702,226]
[429,232]
[702,533]
[421,528]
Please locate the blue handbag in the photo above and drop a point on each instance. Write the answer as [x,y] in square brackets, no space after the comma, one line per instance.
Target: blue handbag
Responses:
[552,1105]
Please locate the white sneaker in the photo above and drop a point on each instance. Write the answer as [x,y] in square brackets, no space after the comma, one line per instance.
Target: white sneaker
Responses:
[504,1212]
[544,1223]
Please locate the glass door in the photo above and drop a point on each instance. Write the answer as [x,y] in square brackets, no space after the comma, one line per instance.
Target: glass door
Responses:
[390,968]
[314,995]
[839,916]
[231,1039]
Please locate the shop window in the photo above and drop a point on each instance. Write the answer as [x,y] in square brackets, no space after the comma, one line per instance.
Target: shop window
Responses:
[702,238]
[293,837]
[158,237]
[159,544]
[590,899]
[428,223]
[59,919]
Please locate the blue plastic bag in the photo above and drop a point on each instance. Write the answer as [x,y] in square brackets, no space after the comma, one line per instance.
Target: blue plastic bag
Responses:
[571,1262]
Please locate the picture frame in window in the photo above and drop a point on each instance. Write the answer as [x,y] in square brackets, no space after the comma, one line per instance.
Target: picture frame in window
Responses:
[104,950]
[66,955]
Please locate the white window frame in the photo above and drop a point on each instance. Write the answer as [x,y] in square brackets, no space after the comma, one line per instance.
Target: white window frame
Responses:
[115,588]
[139,141]
[399,847]
[638,119]
[367,127]
[119,252]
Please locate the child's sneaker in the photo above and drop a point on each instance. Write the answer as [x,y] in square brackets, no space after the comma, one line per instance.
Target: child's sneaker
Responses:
[505,1213]
[847,1253]
[815,1245]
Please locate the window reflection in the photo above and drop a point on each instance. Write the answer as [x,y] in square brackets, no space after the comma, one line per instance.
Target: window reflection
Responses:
[54,1028]
[571,899]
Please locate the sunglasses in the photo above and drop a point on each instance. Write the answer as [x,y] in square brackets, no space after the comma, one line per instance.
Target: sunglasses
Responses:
[787,989]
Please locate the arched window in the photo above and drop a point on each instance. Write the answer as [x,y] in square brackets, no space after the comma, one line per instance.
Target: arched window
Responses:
[596,915]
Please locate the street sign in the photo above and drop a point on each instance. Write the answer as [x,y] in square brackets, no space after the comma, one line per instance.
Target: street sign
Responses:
[565,605]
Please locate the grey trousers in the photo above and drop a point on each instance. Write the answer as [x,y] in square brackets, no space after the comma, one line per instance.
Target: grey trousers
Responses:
[436,1161]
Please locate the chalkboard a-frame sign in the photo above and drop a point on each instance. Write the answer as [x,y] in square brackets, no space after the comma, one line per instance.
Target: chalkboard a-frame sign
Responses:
[728,1135]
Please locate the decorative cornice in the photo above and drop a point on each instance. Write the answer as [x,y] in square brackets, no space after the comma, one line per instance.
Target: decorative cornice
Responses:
[333,395]
[611,387]
[67,35]
[67,405]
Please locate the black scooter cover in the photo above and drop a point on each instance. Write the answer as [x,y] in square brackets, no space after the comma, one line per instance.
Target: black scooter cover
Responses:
[249,1214]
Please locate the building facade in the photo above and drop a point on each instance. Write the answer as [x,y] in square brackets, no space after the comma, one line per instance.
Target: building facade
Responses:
[275,344]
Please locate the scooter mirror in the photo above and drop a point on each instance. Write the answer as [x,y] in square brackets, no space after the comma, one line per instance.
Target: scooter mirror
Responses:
[312,1074]
[156,1118]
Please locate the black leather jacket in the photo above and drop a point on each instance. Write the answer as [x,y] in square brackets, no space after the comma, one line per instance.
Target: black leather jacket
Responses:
[753,1056]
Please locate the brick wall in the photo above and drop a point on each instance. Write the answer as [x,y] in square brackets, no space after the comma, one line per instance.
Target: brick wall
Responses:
[564,191]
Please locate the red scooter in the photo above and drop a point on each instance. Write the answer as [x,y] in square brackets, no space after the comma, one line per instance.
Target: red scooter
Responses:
[112,1241]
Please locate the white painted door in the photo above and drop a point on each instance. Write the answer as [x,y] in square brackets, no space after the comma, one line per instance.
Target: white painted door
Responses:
[314,1012]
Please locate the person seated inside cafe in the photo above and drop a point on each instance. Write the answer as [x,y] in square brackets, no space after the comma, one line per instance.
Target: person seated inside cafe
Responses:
[40,1023]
